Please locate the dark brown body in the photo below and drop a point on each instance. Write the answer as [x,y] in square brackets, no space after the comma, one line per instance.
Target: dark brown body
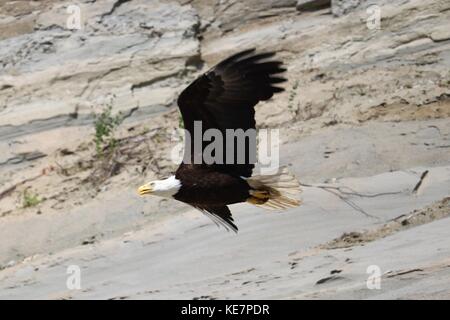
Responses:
[203,186]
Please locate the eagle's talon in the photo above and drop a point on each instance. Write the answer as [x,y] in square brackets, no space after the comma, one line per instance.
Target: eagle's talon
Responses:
[258,196]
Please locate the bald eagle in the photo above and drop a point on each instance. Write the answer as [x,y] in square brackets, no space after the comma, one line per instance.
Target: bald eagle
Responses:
[224,98]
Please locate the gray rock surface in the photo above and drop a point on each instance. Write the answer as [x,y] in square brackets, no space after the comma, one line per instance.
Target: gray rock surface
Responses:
[341,7]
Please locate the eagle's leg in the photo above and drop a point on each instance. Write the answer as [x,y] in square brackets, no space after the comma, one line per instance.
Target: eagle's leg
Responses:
[258,196]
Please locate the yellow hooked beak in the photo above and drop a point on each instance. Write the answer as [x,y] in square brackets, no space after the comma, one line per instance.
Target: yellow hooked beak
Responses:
[145,189]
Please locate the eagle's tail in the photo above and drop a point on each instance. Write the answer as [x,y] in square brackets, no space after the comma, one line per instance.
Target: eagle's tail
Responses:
[277,192]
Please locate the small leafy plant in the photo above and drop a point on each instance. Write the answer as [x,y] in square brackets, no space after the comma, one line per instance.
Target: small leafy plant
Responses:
[180,121]
[105,125]
[29,199]
[292,95]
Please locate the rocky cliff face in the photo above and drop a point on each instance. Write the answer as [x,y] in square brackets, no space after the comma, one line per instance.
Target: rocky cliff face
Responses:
[122,49]
[137,55]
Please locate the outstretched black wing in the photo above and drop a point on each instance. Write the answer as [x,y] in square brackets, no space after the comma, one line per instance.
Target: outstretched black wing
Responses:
[224,98]
[220,215]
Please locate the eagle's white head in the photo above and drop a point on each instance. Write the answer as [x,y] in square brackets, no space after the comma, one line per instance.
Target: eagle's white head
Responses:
[163,188]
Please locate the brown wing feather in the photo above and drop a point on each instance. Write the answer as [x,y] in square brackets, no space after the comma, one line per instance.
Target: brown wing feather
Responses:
[225,96]
[220,215]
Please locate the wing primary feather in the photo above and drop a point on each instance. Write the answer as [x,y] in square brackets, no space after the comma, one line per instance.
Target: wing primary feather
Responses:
[226,222]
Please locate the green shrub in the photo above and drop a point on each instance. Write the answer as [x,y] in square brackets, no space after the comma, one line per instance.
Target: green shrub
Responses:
[30,199]
[105,125]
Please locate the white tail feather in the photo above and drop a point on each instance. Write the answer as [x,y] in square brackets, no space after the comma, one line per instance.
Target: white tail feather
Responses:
[283,189]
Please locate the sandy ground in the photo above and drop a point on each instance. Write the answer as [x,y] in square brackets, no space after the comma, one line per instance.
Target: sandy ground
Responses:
[190,258]
[331,154]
